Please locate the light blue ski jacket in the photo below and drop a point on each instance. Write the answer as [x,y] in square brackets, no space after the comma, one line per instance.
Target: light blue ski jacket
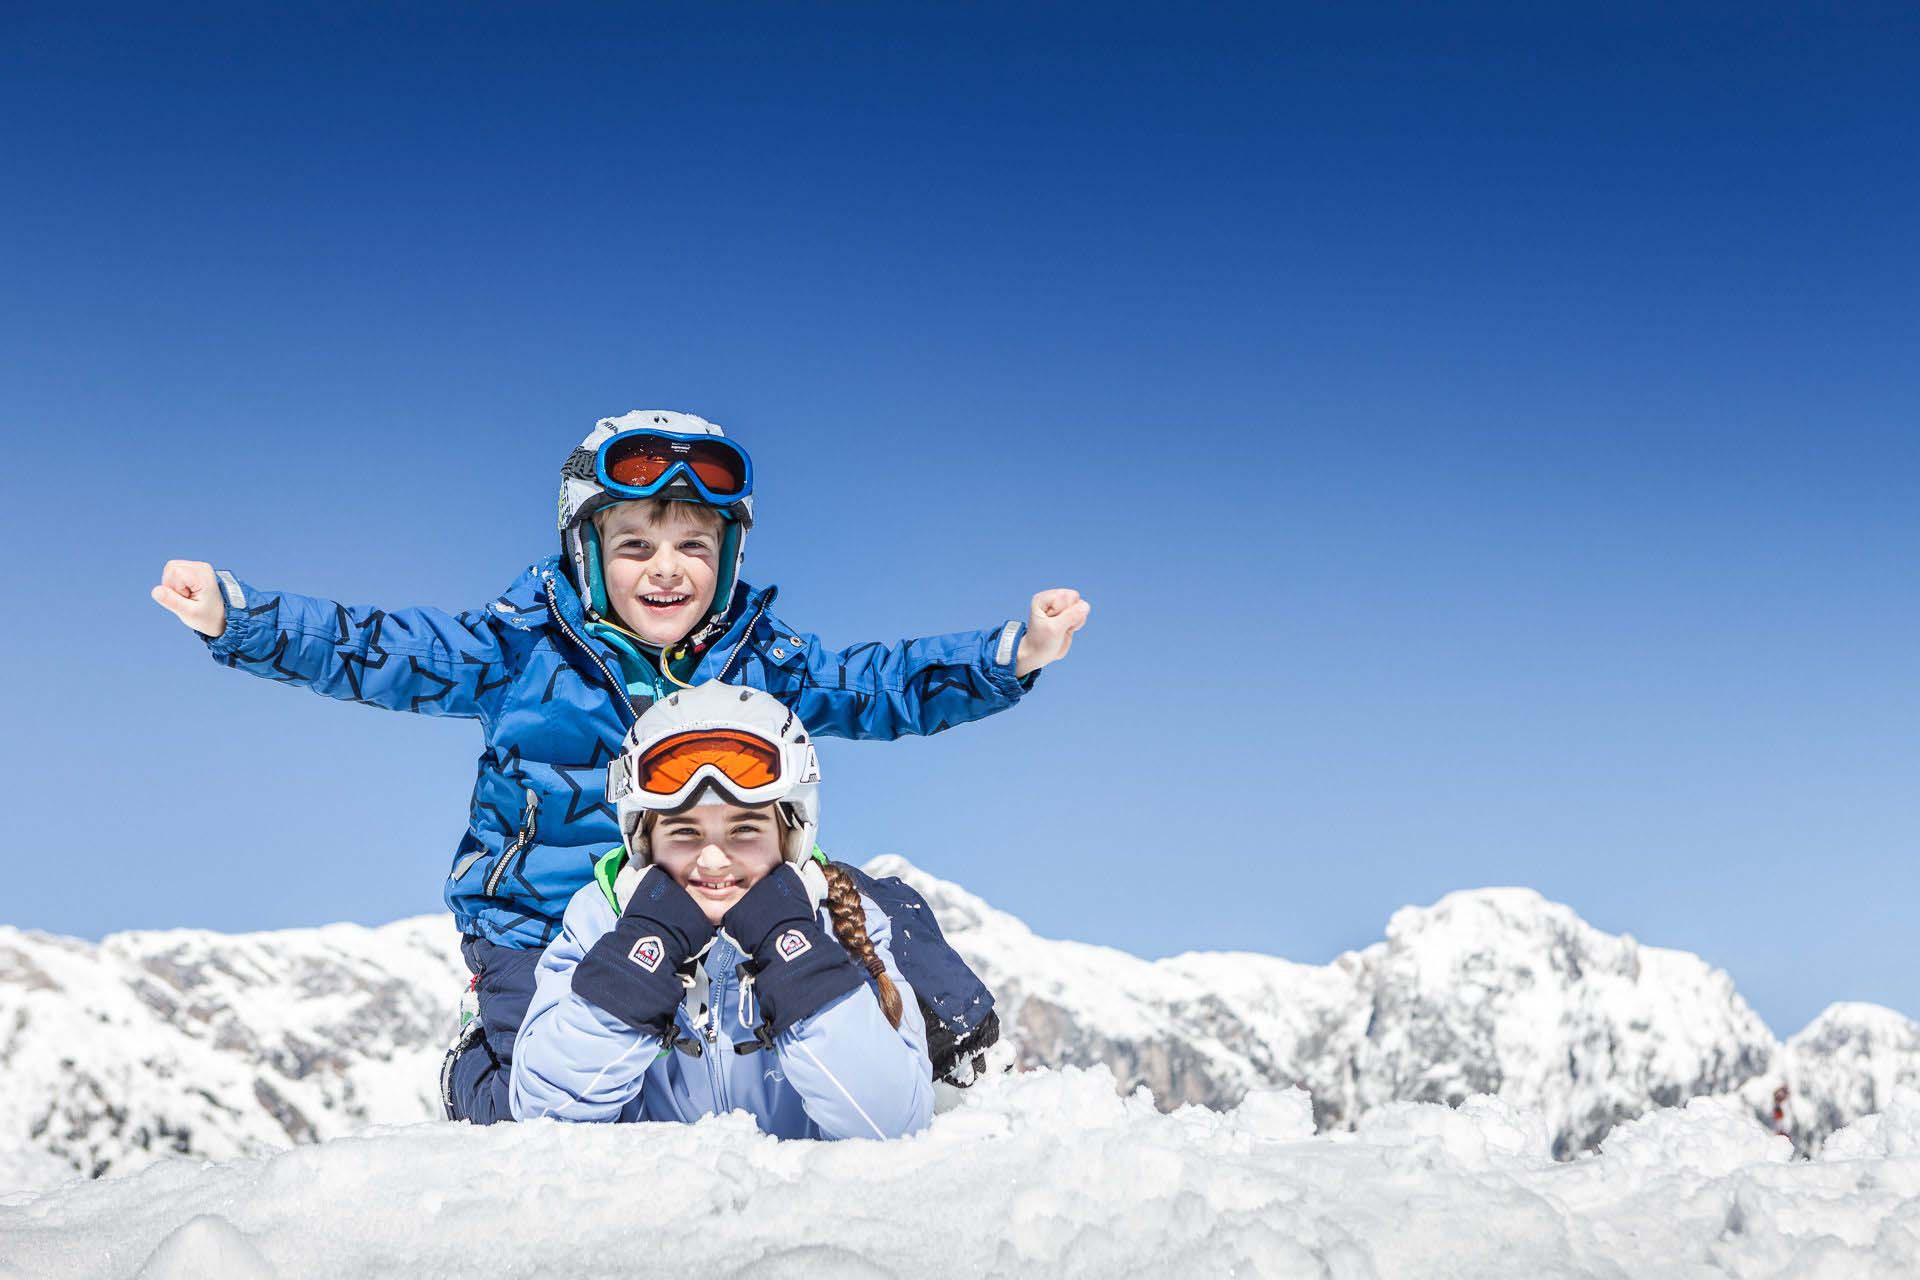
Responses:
[554,708]
[844,1072]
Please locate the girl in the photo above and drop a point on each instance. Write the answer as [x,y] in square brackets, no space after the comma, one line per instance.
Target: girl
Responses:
[717,962]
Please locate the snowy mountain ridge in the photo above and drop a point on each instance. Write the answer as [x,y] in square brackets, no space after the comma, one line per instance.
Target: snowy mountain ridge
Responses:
[1494,991]
[198,1043]
[214,1045]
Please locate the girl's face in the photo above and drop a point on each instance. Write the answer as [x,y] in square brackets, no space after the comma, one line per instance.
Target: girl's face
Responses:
[716,852]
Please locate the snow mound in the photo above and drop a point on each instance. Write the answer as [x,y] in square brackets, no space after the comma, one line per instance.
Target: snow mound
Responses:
[1041,1173]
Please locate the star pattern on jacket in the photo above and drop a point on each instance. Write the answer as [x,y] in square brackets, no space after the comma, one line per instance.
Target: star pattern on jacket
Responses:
[426,673]
[356,658]
[267,611]
[507,764]
[553,681]
[549,925]
[286,675]
[854,652]
[595,769]
[940,679]
[482,686]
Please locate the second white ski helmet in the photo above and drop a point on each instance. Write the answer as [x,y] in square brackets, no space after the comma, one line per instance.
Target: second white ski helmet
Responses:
[717,743]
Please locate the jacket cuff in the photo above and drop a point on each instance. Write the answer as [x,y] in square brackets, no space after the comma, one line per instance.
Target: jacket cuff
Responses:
[999,656]
[243,630]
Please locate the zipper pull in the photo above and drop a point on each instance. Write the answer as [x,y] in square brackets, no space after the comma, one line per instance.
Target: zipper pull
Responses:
[747,1002]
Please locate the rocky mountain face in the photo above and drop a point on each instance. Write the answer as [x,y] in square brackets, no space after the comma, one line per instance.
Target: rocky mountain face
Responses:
[214,1045]
[1489,991]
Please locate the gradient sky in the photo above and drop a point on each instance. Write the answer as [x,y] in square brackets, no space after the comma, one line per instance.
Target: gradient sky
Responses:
[1488,435]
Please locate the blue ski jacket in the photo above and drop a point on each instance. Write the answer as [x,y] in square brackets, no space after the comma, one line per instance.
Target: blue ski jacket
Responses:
[842,1072]
[554,709]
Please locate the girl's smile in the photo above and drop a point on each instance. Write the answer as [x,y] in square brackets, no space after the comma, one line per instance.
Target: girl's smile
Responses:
[717,851]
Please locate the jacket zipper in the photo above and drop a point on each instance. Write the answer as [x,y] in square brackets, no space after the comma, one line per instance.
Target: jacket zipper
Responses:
[618,687]
[715,1002]
[529,819]
[727,670]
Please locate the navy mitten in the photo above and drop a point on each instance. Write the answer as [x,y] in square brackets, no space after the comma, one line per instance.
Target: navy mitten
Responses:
[797,966]
[633,972]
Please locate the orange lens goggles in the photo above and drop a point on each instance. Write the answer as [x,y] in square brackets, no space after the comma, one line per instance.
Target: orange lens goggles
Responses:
[745,760]
[641,461]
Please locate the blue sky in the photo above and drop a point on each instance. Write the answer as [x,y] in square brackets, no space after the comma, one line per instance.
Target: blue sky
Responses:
[1488,437]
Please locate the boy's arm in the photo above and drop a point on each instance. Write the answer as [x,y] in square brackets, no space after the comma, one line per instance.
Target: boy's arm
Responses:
[923,686]
[917,687]
[422,660]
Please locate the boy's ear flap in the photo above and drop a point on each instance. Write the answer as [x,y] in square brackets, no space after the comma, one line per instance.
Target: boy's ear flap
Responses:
[596,600]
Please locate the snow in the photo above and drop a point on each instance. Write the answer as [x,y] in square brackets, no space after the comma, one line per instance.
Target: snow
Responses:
[1494,990]
[211,1046]
[219,1044]
[1042,1173]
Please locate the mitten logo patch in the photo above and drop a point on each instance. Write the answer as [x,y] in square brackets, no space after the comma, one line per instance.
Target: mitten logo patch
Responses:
[792,943]
[648,953]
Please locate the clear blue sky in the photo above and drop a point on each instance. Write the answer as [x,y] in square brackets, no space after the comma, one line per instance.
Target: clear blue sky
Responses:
[1488,434]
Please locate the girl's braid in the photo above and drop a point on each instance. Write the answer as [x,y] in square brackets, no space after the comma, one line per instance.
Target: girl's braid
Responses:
[850,926]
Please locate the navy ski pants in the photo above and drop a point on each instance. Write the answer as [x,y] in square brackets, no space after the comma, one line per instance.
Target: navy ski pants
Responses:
[477,1088]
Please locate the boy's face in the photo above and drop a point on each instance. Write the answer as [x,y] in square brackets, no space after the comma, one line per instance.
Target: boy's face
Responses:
[659,570]
[716,852]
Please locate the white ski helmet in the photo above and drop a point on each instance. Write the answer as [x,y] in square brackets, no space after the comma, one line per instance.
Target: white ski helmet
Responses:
[714,744]
[582,494]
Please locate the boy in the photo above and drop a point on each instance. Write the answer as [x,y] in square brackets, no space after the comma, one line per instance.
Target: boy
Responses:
[644,598]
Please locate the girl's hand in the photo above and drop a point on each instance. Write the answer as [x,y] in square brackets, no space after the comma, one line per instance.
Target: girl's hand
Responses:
[1051,621]
[190,592]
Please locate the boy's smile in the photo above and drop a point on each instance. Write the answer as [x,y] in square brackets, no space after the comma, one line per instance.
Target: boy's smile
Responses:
[660,563]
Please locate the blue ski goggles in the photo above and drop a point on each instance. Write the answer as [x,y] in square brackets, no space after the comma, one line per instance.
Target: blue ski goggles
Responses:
[645,464]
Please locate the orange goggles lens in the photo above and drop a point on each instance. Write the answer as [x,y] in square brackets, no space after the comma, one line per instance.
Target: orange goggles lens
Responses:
[642,461]
[746,761]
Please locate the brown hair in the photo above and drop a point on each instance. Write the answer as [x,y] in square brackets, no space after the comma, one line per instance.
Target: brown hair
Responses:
[666,511]
[850,926]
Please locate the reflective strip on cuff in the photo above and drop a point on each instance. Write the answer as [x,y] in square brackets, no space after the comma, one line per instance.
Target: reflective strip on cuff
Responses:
[1009,634]
[230,588]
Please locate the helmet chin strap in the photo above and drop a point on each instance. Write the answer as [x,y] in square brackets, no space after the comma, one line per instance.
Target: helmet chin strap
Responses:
[812,876]
[599,609]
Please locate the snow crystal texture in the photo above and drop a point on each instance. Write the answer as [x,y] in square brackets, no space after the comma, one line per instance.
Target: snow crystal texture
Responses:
[1049,1173]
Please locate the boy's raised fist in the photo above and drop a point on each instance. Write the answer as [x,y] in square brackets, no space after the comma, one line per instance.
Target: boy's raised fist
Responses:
[190,592]
[1051,621]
